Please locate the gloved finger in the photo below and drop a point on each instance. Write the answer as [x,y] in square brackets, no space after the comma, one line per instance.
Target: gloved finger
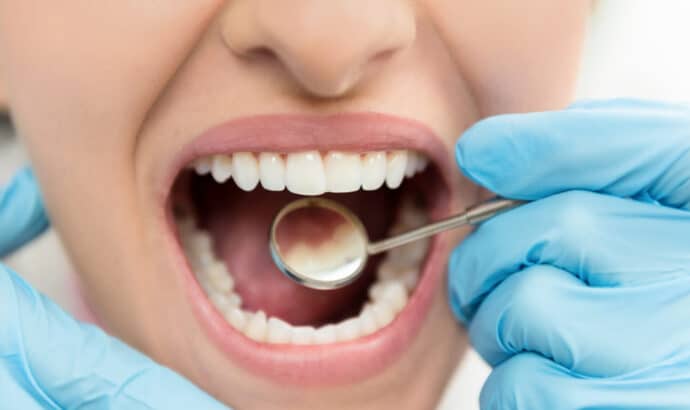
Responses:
[531,382]
[625,148]
[595,332]
[603,240]
[22,216]
[72,365]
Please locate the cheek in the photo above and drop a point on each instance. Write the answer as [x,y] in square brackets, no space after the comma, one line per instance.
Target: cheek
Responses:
[84,81]
[516,56]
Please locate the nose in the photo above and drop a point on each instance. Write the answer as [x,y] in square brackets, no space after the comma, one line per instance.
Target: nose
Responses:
[326,46]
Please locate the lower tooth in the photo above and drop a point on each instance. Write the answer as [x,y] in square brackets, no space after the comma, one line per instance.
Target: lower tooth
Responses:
[237,318]
[278,331]
[383,315]
[367,322]
[303,335]
[256,327]
[348,330]
[220,278]
[235,300]
[325,335]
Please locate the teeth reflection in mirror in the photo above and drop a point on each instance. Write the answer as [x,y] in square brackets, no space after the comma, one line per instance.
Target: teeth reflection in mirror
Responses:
[396,277]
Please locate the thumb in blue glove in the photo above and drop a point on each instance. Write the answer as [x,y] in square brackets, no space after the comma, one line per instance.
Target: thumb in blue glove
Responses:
[48,359]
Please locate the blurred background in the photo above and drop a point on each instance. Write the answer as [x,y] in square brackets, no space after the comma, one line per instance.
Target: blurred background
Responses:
[635,48]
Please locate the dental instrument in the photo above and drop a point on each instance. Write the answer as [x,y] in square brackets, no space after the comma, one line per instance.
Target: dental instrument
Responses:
[323,245]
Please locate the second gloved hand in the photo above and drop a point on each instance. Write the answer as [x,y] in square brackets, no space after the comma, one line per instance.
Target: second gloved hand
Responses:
[48,360]
[581,299]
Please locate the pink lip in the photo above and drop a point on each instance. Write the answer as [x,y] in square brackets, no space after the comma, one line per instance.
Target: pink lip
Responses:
[333,364]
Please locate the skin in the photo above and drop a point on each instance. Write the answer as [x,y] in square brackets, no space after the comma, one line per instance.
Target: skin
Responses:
[106,93]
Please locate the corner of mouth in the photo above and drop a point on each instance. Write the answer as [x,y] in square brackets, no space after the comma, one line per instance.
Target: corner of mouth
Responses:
[292,360]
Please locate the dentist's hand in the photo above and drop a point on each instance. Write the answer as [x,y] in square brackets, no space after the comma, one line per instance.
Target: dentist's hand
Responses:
[48,359]
[581,299]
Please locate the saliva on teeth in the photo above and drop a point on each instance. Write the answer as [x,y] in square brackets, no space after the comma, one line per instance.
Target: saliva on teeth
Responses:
[396,278]
[311,172]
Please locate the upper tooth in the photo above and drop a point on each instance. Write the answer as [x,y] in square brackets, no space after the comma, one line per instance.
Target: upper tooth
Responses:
[343,171]
[272,171]
[222,168]
[245,170]
[411,166]
[397,161]
[373,170]
[311,173]
[305,174]
[203,165]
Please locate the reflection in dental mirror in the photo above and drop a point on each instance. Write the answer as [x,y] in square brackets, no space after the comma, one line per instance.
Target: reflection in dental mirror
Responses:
[318,243]
[323,245]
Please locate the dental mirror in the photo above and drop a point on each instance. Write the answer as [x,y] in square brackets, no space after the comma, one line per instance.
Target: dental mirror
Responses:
[323,245]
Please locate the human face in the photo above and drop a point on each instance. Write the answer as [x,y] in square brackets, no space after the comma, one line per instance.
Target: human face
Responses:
[115,99]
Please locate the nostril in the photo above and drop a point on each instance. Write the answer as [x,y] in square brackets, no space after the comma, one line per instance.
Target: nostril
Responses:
[257,53]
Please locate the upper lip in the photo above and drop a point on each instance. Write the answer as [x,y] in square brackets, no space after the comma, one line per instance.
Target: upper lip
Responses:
[357,132]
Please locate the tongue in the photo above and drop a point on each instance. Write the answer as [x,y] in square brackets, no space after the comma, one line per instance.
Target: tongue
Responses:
[239,223]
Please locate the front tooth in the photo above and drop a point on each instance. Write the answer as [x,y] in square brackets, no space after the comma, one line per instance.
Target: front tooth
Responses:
[411,165]
[203,166]
[278,331]
[272,171]
[373,170]
[343,172]
[221,168]
[245,170]
[256,327]
[325,335]
[348,330]
[395,172]
[303,335]
[304,174]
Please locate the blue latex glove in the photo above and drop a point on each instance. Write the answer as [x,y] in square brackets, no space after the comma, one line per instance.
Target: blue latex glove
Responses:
[48,359]
[581,299]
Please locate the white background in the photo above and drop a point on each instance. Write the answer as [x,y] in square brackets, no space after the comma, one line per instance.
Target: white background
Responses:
[635,48]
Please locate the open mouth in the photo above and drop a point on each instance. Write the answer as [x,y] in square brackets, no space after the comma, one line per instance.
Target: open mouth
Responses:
[223,197]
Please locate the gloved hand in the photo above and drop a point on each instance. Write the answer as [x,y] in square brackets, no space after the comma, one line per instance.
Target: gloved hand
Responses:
[48,359]
[581,299]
